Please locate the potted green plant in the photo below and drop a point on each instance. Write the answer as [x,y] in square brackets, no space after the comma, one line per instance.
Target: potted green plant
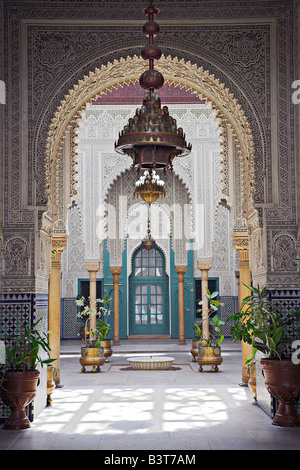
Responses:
[92,353]
[262,325]
[20,374]
[103,326]
[209,350]
[83,315]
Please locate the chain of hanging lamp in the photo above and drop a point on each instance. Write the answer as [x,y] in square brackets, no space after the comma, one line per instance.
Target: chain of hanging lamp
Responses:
[151,138]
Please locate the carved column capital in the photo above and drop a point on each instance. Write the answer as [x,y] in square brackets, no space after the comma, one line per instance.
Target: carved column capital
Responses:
[204,264]
[180,269]
[241,244]
[59,242]
[116,270]
[92,266]
[58,245]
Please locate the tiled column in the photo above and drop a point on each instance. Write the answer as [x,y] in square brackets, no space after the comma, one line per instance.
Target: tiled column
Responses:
[204,265]
[181,270]
[92,267]
[116,271]
[241,244]
[58,246]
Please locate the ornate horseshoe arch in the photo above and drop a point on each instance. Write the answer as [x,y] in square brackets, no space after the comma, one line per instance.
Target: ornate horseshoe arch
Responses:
[227,110]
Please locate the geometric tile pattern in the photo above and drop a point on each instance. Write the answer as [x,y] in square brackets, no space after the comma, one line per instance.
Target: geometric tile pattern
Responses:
[15,310]
[229,308]
[41,311]
[287,300]
[71,324]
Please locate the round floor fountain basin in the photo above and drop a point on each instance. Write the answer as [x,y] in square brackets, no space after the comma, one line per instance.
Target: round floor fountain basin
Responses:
[151,363]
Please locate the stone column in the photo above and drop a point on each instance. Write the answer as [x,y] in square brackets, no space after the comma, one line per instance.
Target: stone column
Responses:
[181,270]
[58,246]
[92,267]
[116,271]
[241,244]
[204,265]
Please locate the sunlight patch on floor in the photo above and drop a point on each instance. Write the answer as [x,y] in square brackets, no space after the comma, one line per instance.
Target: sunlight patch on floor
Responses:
[119,411]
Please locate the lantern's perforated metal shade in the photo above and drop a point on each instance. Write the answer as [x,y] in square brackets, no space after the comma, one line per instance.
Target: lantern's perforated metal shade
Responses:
[151,138]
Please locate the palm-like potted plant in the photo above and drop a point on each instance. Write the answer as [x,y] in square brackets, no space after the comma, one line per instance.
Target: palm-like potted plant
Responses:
[92,353]
[20,374]
[209,350]
[262,325]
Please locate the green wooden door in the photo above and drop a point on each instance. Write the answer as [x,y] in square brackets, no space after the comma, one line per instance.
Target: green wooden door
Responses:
[148,294]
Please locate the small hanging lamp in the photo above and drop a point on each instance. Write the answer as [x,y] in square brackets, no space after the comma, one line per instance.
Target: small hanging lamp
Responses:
[151,138]
[148,242]
[149,187]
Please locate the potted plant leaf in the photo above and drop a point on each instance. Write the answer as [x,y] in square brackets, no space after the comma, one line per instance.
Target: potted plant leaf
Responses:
[83,316]
[262,325]
[92,353]
[103,326]
[20,374]
[209,350]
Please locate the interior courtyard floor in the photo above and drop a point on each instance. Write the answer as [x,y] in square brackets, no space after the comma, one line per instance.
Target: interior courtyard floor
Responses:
[120,409]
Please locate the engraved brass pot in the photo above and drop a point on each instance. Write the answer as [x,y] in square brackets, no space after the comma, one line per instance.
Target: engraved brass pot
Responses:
[194,350]
[252,378]
[93,357]
[50,383]
[209,356]
[107,349]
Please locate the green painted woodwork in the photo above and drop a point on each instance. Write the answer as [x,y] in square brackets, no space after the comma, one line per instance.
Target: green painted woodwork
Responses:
[148,294]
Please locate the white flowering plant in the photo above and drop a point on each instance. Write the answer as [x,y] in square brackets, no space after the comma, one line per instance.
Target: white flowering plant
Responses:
[102,310]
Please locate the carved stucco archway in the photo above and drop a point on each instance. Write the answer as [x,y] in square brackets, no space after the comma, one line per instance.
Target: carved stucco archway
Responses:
[175,71]
[228,114]
[172,206]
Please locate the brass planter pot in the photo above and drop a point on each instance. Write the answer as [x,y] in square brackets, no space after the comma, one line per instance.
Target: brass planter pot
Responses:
[209,356]
[194,350]
[252,378]
[93,357]
[50,383]
[107,348]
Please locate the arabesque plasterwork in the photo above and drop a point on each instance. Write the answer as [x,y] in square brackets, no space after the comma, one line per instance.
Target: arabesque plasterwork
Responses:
[189,75]
[229,64]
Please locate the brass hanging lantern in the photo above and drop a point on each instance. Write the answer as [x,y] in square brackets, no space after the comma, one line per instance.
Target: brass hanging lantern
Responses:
[151,138]
[148,242]
[149,187]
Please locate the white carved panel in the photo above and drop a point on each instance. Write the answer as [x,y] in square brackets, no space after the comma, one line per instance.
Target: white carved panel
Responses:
[190,210]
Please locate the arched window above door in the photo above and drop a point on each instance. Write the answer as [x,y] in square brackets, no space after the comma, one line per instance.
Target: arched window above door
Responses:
[148,263]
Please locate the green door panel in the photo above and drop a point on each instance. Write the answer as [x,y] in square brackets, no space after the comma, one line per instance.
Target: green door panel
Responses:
[148,294]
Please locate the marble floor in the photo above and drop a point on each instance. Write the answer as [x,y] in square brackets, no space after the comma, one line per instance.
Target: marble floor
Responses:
[120,409]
